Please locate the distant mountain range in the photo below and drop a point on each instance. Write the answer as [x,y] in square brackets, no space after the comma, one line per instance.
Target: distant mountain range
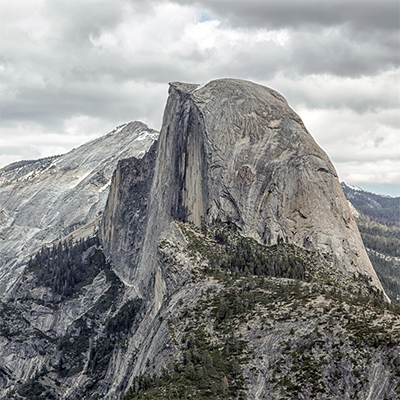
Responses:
[378,219]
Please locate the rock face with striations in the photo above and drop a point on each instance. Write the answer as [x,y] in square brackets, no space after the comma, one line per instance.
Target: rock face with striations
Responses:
[49,199]
[234,151]
[234,154]
[123,225]
[227,265]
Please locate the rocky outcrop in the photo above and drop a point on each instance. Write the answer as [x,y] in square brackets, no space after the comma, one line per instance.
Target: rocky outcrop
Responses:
[227,265]
[49,199]
[235,151]
[265,172]
[123,226]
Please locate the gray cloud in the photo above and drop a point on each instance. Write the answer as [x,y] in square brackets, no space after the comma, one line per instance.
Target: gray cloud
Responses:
[343,37]
[362,94]
[360,14]
[70,71]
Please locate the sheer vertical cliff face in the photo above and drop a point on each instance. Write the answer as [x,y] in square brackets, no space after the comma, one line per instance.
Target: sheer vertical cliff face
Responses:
[91,319]
[174,188]
[267,174]
[49,199]
[123,226]
[235,151]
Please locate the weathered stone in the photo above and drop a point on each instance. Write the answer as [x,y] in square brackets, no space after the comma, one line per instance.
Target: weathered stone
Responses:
[235,151]
[49,199]
[232,154]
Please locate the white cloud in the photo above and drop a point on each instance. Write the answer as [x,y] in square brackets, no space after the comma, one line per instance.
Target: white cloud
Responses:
[363,93]
[72,70]
[364,147]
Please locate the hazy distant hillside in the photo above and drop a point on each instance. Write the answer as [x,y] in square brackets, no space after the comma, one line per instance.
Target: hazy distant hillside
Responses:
[379,224]
[383,209]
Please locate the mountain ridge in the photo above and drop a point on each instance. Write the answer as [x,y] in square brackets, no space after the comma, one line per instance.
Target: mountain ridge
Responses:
[75,184]
[213,273]
[378,218]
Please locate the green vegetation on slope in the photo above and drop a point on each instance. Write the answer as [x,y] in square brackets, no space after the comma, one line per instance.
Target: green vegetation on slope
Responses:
[382,209]
[205,371]
[323,338]
[68,266]
[379,225]
[383,245]
[381,238]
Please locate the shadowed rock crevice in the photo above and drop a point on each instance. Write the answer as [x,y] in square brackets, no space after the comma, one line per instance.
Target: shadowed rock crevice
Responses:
[123,225]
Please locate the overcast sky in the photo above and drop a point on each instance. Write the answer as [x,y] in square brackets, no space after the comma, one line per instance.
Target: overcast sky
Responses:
[71,70]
